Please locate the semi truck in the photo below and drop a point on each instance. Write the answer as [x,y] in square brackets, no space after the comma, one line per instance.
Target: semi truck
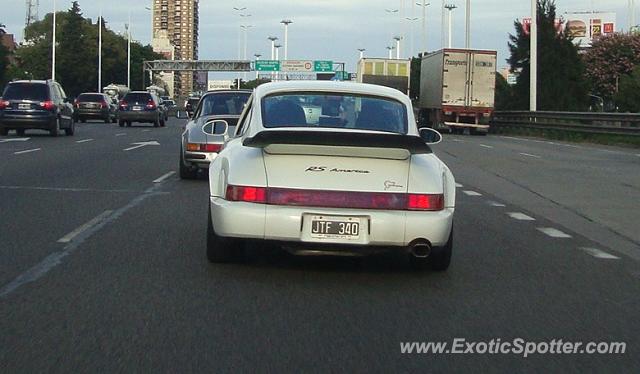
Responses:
[457,90]
[385,72]
[115,91]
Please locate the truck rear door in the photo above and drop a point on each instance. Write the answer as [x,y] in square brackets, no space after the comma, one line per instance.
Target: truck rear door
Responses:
[455,73]
[483,80]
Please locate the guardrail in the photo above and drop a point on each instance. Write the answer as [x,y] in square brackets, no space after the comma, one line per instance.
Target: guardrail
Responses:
[593,123]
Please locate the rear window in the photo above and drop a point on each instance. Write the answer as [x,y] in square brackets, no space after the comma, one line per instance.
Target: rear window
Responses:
[137,97]
[26,91]
[334,110]
[92,98]
[223,104]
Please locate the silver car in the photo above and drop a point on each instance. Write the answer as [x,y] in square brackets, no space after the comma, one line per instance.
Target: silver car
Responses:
[201,139]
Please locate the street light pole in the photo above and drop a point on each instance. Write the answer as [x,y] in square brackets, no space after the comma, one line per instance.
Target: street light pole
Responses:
[129,51]
[450,8]
[533,63]
[424,6]
[53,45]
[467,26]
[100,51]
[411,21]
[257,56]
[397,39]
[361,50]
[286,23]
[390,49]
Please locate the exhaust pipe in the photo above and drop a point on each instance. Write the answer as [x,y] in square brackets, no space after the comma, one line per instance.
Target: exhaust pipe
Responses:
[420,249]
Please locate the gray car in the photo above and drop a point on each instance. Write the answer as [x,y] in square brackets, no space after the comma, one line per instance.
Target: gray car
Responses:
[201,141]
[140,106]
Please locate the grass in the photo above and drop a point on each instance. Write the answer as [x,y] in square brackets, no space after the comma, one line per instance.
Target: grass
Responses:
[572,136]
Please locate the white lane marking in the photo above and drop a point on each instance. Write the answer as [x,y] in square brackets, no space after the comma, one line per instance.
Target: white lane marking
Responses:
[496,204]
[147,130]
[458,140]
[84,141]
[486,146]
[140,145]
[512,138]
[458,185]
[529,155]
[14,140]
[554,233]
[164,177]
[121,134]
[638,154]
[70,236]
[520,216]
[597,253]
[43,267]
[472,193]
[27,151]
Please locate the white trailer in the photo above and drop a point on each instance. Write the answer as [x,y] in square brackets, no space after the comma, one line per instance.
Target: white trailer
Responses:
[457,90]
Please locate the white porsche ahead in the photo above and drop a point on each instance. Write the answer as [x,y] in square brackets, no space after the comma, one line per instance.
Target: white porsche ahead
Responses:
[331,168]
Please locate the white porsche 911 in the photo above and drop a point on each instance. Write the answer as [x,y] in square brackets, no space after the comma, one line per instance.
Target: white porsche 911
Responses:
[331,168]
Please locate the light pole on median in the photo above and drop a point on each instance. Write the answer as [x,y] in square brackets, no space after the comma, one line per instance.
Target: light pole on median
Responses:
[286,23]
[533,61]
[450,8]
[467,26]
[257,56]
[390,49]
[100,50]
[245,28]
[361,50]
[128,28]
[424,6]
[53,44]
[239,11]
[412,20]
[397,38]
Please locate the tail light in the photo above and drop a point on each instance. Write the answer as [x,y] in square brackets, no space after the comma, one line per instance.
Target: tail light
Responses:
[103,104]
[4,104]
[336,199]
[123,104]
[48,105]
[247,194]
[76,103]
[198,147]
[151,104]
[425,202]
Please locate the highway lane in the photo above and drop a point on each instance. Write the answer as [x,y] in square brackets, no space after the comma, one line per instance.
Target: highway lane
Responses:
[138,295]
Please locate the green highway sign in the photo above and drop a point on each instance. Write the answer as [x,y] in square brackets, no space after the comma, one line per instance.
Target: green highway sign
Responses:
[267,65]
[323,66]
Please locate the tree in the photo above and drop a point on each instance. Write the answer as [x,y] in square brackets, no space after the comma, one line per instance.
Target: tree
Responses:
[610,58]
[561,82]
[628,96]
[4,60]
[504,94]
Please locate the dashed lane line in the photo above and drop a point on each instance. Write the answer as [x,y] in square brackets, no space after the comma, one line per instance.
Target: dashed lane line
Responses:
[597,253]
[496,204]
[121,134]
[458,185]
[458,140]
[486,146]
[70,236]
[529,155]
[164,177]
[27,151]
[554,233]
[520,216]
[84,141]
[472,193]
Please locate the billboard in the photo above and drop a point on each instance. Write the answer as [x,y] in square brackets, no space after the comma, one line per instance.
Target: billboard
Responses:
[586,26]
[582,26]
[219,85]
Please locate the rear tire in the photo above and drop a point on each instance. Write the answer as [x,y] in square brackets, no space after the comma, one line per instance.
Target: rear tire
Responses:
[69,131]
[107,119]
[121,123]
[20,132]
[163,123]
[56,128]
[220,249]
[128,123]
[114,120]
[4,131]
[156,123]
[83,120]
[185,171]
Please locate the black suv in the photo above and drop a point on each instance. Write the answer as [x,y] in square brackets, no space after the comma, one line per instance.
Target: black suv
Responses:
[95,105]
[35,105]
[140,106]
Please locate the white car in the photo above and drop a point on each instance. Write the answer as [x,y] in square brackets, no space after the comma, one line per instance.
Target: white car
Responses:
[331,168]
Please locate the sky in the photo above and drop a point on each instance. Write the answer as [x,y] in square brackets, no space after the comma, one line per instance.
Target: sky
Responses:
[323,29]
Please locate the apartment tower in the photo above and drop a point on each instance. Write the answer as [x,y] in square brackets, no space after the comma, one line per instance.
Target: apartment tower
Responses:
[177,20]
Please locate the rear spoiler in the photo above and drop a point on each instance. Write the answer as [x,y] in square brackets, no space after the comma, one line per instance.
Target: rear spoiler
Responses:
[411,143]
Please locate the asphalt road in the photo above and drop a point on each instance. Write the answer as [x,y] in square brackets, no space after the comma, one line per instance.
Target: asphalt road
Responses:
[103,268]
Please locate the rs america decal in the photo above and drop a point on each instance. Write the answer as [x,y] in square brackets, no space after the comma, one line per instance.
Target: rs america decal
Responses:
[326,169]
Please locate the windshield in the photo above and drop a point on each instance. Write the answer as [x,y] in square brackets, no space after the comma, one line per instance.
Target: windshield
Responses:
[223,104]
[26,91]
[90,98]
[334,110]
[137,97]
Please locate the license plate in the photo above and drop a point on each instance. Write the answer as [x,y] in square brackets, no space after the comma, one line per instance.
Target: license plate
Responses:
[137,108]
[24,106]
[328,227]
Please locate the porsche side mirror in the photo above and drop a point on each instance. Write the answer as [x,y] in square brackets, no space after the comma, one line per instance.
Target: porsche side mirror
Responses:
[430,136]
[216,127]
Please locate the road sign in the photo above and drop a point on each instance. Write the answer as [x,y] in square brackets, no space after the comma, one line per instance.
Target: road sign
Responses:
[267,65]
[219,85]
[296,66]
[323,66]
[342,75]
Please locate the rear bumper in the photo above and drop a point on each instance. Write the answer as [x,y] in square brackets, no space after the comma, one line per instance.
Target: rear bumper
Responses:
[287,224]
[92,113]
[141,116]
[199,159]
[28,121]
